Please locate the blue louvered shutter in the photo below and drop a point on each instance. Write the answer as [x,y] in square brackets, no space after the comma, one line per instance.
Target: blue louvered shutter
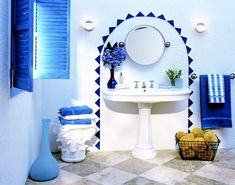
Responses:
[52,39]
[22,44]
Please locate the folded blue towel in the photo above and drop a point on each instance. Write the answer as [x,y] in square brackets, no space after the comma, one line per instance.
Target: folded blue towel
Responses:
[75,121]
[216,115]
[76,110]
[216,88]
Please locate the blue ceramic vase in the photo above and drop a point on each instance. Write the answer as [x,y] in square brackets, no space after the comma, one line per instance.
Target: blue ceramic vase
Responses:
[45,167]
[112,82]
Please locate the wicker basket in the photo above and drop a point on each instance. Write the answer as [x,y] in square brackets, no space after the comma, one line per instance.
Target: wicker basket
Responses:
[197,150]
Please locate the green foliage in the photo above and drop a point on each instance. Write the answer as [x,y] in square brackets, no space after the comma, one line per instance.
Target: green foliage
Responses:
[173,74]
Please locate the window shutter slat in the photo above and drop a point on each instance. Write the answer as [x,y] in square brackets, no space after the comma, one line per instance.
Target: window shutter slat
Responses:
[52,39]
[22,44]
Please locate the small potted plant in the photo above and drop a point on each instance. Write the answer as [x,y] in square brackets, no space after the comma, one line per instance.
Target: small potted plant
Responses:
[173,75]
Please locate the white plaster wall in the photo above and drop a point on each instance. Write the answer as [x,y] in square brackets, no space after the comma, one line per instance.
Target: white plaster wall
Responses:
[212,52]
[20,126]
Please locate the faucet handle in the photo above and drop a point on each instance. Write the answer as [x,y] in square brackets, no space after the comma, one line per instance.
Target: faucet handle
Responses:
[151,85]
[136,84]
[144,85]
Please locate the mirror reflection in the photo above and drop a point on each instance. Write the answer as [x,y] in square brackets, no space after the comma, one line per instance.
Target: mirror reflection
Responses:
[145,44]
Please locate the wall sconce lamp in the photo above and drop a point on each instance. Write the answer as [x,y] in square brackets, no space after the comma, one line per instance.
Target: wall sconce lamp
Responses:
[88,25]
[201,27]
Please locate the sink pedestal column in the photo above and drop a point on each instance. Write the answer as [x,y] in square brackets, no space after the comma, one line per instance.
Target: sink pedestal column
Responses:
[144,148]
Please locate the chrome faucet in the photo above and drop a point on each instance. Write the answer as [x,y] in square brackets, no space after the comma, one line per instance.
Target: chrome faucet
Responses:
[136,84]
[151,85]
[144,85]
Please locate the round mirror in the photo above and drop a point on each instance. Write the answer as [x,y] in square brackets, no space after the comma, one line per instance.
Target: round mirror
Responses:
[145,44]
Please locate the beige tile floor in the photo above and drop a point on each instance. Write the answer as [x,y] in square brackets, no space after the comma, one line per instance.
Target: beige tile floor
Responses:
[120,168]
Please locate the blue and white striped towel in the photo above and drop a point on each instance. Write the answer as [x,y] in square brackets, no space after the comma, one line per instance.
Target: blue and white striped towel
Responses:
[216,92]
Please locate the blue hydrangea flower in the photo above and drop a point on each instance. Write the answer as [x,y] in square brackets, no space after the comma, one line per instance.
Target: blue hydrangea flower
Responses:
[113,57]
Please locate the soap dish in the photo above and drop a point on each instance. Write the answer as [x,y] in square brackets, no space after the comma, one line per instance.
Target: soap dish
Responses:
[164,86]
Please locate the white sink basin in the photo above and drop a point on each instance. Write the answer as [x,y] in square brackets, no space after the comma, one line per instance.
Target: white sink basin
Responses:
[144,99]
[151,95]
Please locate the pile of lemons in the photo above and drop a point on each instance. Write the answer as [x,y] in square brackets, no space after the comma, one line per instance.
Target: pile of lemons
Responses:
[198,144]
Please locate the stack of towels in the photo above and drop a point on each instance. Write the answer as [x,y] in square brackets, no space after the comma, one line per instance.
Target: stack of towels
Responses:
[76,115]
[77,125]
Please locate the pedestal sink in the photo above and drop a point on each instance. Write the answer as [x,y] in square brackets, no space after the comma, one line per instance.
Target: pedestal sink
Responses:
[144,99]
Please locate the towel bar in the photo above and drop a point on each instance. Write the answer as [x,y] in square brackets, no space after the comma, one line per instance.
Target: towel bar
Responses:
[194,76]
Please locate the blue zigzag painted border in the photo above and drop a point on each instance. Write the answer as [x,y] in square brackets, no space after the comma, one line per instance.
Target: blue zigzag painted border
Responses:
[100,48]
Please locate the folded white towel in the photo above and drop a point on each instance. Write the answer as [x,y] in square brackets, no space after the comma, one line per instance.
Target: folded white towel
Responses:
[216,89]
